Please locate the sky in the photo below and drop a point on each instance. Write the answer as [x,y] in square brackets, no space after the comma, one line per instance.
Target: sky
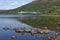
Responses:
[11,4]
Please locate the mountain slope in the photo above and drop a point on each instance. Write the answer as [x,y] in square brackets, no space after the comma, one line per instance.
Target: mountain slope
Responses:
[42,6]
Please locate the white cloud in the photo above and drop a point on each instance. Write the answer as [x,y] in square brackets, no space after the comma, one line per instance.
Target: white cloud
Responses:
[14,3]
[11,4]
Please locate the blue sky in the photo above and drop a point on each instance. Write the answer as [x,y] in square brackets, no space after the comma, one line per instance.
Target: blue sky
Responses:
[11,4]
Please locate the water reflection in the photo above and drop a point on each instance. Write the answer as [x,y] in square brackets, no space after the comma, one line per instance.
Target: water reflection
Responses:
[10,23]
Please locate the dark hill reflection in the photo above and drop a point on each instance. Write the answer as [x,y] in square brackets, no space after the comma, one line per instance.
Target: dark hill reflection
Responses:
[13,23]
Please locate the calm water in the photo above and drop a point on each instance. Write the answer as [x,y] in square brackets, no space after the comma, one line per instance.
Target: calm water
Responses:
[13,23]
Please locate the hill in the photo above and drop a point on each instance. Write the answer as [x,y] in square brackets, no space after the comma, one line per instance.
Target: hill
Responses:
[42,6]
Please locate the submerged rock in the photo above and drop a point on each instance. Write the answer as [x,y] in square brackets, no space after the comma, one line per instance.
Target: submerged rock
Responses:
[19,30]
[28,30]
[6,28]
[13,37]
[32,31]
